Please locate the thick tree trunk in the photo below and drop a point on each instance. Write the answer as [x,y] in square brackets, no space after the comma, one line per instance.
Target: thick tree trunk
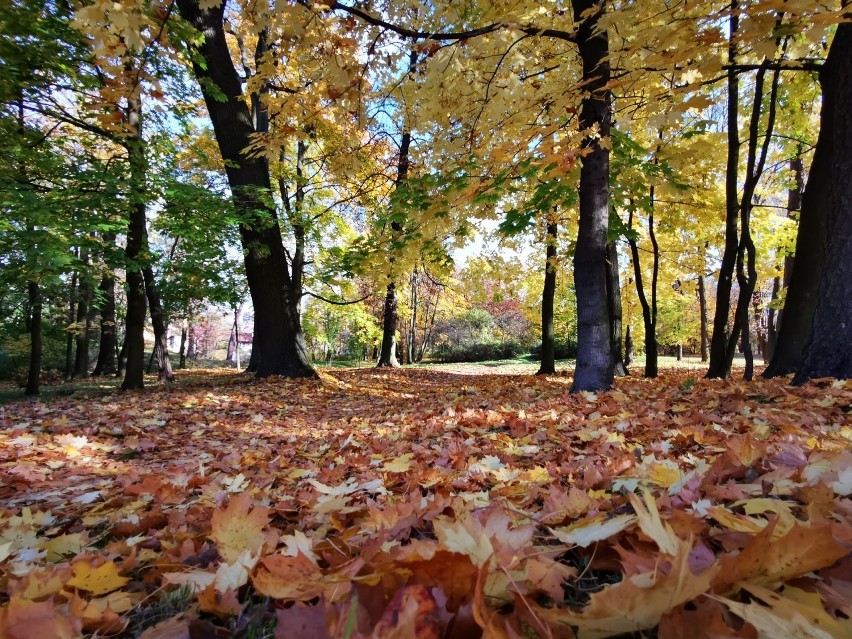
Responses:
[594,369]
[387,356]
[828,352]
[794,326]
[613,296]
[158,321]
[548,336]
[702,306]
[106,350]
[35,304]
[719,367]
[278,347]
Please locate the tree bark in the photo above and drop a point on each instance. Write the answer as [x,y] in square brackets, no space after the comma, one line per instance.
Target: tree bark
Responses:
[794,327]
[134,375]
[81,359]
[613,295]
[718,368]
[278,345]
[69,336]
[183,333]
[387,355]
[828,352]
[35,303]
[106,349]
[649,311]
[628,347]
[702,306]
[594,369]
[548,336]
[158,321]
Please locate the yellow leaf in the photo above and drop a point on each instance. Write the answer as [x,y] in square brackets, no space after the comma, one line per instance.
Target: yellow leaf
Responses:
[399,464]
[587,532]
[238,528]
[652,525]
[98,581]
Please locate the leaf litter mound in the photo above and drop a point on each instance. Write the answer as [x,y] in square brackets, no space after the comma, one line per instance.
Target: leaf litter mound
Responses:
[419,503]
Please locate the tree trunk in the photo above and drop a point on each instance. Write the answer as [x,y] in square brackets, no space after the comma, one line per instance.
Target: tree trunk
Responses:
[69,336]
[232,345]
[192,345]
[158,321]
[134,376]
[794,325]
[613,294]
[387,355]
[702,306]
[649,311]
[278,347]
[828,352]
[35,303]
[183,332]
[121,371]
[718,367]
[594,369]
[84,298]
[548,336]
[628,347]
[106,350]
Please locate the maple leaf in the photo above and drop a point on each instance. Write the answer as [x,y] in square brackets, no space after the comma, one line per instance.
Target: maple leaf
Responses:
[97,580]
[22,619]
[636,604]
[238,527]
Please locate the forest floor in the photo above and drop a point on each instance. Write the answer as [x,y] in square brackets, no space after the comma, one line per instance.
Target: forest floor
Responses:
[429,502]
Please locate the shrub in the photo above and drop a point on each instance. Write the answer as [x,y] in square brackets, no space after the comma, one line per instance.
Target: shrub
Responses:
[566,348]
[480,352]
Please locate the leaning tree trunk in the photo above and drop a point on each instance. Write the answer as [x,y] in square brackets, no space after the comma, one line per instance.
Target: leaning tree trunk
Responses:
[613,298]
[158,321]
[35,303]
[828,352]
[278,346]
[594,369]
[801,300]
[548,336]
[106,349]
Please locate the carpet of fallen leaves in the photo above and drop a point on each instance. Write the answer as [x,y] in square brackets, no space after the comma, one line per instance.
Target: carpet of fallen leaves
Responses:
[419,503]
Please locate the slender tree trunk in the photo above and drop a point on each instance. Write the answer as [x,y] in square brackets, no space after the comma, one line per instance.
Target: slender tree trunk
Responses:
[649,315]
[548,294]
[106,349]
[69,335]
[192,345]
[628,347]
[134,376]
[278,345]
[613,292]
[718,366]
[81,361]
[158,321]
[594,369]
[702,306]
[183,332]
[828,352]
[237,336]
[232,345]
[35,304]
[121,371]
[794,205]
[412,323]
